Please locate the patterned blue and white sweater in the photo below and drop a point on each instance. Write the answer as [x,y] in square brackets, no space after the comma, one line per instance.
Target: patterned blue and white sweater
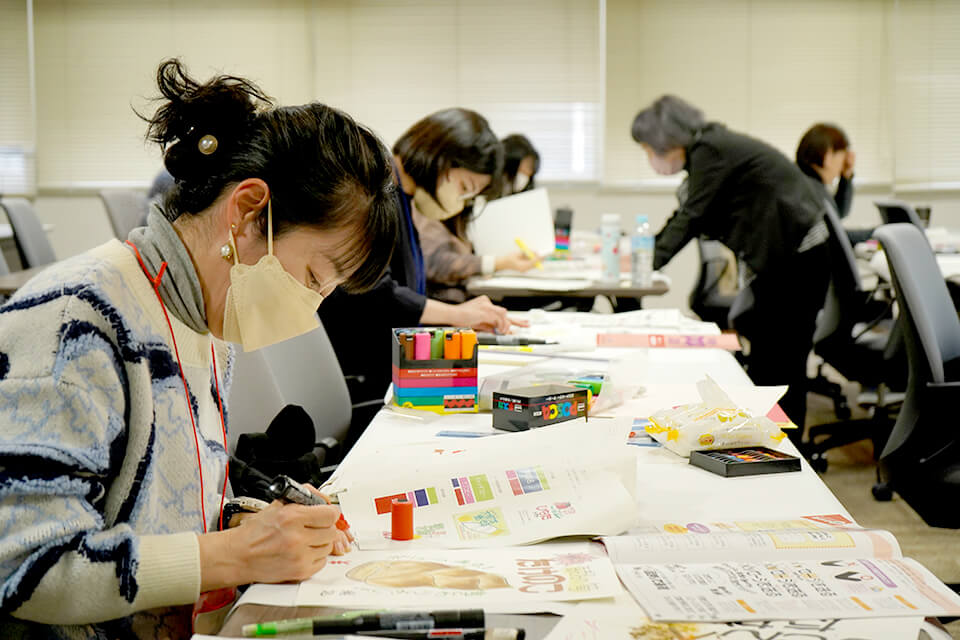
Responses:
[99,486]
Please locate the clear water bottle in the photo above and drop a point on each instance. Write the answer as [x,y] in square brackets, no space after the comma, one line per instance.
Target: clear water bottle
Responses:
[641,253]
[610,247]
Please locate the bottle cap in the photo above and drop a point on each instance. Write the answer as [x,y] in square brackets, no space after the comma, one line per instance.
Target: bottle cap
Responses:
[613,218]
[401,519]
[641,218]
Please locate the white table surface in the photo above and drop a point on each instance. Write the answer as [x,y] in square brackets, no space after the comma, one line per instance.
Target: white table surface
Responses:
[6,231]
[949,264]
[667,487]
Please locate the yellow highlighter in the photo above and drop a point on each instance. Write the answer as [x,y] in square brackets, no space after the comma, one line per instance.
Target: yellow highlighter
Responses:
[530,254]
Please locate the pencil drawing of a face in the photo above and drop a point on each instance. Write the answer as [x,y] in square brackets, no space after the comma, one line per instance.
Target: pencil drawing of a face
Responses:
[416,573]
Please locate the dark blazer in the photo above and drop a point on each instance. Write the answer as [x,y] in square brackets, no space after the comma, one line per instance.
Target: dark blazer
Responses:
[359,325]
[744,193]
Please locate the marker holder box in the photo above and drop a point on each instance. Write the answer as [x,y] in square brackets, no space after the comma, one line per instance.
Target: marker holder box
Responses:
[438,385]
[744,461]
[538,406]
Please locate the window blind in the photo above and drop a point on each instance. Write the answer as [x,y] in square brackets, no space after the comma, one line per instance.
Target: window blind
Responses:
[17,176]
[529,67]
[97,60]
[767,69]
[926,93]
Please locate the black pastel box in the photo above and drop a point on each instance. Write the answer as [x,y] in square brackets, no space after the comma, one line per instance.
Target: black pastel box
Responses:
[538,406]
[744,461]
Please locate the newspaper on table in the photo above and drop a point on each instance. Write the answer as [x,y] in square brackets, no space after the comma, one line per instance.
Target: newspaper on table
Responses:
[502,491]
[522,577]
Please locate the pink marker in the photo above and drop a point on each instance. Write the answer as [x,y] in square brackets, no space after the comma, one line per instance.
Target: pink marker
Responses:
[421,346]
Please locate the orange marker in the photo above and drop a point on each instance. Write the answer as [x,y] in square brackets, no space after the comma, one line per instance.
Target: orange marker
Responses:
[468,340]
[451,345]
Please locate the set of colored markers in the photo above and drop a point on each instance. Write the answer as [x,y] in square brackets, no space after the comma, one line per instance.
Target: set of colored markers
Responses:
[437,343]
[466,624]
[435,369]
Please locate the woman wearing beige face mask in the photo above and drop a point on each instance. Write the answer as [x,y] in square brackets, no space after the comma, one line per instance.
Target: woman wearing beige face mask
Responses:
[442,163]
[114,369]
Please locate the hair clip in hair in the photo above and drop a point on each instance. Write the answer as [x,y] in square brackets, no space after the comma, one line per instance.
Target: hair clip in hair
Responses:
[207,144]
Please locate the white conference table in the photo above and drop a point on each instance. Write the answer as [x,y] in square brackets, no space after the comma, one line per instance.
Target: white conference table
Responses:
[668,488]
[949,264]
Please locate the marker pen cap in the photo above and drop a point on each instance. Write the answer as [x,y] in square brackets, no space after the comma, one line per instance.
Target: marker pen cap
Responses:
[401,519]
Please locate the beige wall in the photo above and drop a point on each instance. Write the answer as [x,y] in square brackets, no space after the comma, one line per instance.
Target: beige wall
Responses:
[731,57]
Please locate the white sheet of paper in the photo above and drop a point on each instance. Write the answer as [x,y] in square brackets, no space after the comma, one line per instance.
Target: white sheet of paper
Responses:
[745,546]
[522,577]
[590,622]
[525,215]
[788,590]
[530,283]
[494,506]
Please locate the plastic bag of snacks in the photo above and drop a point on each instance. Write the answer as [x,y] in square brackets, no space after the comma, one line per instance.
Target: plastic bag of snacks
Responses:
[714,423]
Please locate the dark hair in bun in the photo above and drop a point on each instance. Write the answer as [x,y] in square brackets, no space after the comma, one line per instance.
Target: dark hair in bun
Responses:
[324,170]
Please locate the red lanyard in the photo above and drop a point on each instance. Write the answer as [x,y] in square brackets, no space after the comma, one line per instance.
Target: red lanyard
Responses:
[155,281]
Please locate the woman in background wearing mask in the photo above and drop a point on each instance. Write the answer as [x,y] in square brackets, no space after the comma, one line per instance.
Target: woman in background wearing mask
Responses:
[521,162]
[439,173]
[749,196]
[471,151]
[114,370]
[825,155]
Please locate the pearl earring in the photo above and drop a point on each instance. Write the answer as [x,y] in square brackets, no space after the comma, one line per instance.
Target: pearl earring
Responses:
[226,251]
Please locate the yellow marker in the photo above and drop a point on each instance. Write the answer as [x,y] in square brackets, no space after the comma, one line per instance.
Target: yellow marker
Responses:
[504,348]
[530,254]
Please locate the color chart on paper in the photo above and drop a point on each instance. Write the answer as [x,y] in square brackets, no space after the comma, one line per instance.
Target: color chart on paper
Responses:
[528,480]
[419,498]
[472,489]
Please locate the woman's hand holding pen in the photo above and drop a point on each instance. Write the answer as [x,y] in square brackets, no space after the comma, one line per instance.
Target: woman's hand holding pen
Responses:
[514,262]
[284,542]
[343,543]
[482,315]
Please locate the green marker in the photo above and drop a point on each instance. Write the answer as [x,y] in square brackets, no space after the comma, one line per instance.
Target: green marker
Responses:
[436,344]
[298,625]
[358,621]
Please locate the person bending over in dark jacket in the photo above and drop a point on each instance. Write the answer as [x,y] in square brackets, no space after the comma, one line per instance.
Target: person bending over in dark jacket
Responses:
[752,198]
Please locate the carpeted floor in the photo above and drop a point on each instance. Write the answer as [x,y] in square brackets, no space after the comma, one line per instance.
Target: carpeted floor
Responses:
[850,475]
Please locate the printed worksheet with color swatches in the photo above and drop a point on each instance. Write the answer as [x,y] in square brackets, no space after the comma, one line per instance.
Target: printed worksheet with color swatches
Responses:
[496,505]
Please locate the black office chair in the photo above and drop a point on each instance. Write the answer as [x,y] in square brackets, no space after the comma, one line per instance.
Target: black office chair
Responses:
[853,336]
[892,211]
[921,460]
[706,300]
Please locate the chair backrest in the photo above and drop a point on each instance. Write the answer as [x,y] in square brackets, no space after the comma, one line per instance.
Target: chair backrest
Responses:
[4,267]
[892,211]
[32,241]
[126,209]
[932,327]
[302,371]
[706,298]
[844,294]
